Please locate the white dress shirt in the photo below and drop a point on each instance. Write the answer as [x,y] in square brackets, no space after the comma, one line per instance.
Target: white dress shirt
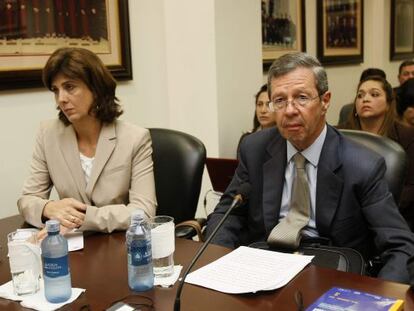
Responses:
[312,154]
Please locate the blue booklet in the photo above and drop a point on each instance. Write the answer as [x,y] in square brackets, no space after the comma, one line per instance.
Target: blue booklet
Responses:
[342,299]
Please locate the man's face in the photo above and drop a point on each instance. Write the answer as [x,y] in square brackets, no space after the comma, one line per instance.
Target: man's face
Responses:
[408,116]
[300,125]
[407,72]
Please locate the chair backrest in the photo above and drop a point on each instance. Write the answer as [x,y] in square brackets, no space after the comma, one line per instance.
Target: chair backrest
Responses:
[221,172]
[179,160]
[394,155]
[345,112]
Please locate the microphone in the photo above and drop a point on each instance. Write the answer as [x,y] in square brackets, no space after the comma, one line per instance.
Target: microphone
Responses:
[241,197]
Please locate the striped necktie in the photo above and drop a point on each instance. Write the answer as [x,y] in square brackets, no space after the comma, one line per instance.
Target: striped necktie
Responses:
[287,232]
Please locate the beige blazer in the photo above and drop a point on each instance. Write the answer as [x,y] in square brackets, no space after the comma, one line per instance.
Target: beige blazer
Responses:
[121,180]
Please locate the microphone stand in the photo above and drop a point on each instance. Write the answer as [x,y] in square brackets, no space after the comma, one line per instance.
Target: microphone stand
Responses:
[177,303]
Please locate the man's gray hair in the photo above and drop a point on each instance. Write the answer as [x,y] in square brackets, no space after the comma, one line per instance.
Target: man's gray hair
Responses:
[289,62]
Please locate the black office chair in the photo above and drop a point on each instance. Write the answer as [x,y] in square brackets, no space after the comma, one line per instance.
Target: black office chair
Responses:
[394,155]
[179,160]
[346,110]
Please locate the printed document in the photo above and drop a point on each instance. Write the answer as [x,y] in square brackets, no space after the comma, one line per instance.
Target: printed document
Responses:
[248,270]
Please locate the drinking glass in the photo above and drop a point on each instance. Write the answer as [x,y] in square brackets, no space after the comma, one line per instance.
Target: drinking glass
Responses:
[163,245]
[25,262]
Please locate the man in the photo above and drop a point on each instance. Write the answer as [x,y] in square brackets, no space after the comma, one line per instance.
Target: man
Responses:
[350,203]
[406,71]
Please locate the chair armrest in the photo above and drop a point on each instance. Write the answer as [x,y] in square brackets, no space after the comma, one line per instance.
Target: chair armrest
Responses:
[189,228]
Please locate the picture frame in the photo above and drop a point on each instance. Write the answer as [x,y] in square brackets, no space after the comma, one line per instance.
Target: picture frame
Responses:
[283,29]
[402,29]
[29,34]
[340,31]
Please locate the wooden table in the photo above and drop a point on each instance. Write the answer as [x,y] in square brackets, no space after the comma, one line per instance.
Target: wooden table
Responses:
[101,268]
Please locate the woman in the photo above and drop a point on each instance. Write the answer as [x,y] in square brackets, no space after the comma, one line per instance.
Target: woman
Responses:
[405,104]
[262,118]
[101,168]
[374,112]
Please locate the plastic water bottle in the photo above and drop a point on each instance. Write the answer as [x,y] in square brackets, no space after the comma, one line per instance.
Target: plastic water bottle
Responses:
[56,273]
[138,240]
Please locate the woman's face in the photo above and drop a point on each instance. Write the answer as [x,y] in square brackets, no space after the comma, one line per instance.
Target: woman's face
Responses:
[266,118]
[73,97]
[371,100]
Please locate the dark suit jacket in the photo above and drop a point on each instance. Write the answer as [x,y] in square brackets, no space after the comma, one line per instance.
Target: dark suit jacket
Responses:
[353,205]
[404,135]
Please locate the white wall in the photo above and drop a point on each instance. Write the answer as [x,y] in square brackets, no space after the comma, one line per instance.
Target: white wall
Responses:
[239,69]
[196,65]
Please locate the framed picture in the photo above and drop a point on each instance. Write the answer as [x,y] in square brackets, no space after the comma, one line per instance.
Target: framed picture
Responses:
[283,28]
[402,29]
[340,31]
[30,30]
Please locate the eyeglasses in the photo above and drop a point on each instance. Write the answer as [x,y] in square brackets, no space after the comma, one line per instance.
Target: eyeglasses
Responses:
[281,103]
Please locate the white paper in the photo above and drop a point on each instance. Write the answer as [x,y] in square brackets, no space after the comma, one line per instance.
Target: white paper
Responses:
[168,281]
[36,301]
[75,240]
[248,270]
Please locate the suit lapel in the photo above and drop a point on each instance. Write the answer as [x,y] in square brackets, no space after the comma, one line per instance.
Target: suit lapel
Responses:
[104,149]
[273,178]
[69,148]
[329,184]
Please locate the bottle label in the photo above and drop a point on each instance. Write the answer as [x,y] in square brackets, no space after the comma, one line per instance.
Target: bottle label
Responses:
[55,267]
[140,252]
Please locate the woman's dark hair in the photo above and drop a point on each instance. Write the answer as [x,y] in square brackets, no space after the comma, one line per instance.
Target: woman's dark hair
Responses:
[406,96]
[372,72]
[256,123]
[82,64]
[353,121]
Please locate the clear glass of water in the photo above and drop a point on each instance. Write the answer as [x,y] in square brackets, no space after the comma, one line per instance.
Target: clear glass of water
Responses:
[163,245]
[25,262]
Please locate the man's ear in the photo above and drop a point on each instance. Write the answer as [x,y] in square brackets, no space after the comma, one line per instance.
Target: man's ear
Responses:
[325,101]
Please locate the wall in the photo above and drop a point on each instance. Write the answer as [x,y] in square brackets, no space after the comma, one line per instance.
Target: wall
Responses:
[239,69]
[196,65]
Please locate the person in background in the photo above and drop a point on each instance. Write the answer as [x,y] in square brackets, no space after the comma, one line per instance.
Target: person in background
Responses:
[405,72]
[262,118]
[405,105]
[101,167]
[346,109]
[374,112]
[332,201]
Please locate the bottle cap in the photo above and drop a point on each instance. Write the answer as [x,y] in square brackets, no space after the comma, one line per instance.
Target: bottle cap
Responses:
[52,225]
[137,215]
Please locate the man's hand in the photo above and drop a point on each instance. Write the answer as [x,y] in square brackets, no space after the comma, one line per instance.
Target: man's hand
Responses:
[69,212]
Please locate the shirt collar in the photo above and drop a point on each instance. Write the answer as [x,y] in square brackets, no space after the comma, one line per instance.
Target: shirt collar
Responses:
[313,152]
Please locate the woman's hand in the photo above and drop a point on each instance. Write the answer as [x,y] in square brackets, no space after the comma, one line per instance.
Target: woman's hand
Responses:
[69,212]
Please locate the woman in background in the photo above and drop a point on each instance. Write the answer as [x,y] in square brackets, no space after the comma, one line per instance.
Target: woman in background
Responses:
[374,112]
[101,167]
[262,118]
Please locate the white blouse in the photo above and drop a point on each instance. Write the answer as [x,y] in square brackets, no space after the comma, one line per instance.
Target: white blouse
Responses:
[86,164]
